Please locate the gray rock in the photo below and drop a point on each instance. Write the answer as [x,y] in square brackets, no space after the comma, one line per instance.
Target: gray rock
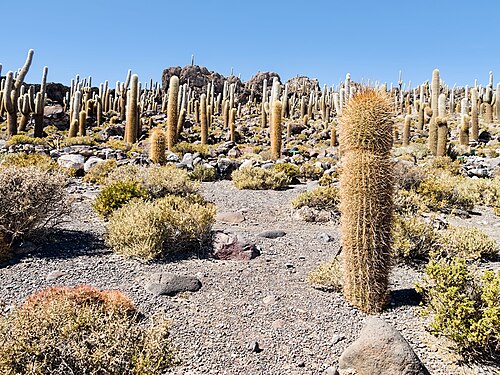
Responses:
[187,160]
[93,160]
[325,237]
[172,157]
[228,246]
[381,350]
[272,234]
[55,275]
[247,164]
[166,283]
[71,161]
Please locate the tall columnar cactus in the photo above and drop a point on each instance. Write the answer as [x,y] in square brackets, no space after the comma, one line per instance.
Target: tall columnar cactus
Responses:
[276,129]
[474,134]
[442,105]
[12,90]
[180,122]
[442,139]
[232,125]
[366,198]
[435,88]
[406,131]
[75,107]
[497,102]
[158,144]
[39,105]
[464,130]
[173,94]
[132,124]
[203,119]
[82,122]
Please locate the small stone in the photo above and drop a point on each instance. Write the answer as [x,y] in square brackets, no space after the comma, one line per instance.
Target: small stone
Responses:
[325,237]
[336,339]
[254,347]
[331,371]
[166,283]
[55,275]
[71,161]
[92,161]
[230,217]
[278,323]
[227,246]
[269,300]
[272,234]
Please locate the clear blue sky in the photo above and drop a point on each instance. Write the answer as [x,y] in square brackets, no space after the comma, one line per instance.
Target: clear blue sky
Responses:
[320,39]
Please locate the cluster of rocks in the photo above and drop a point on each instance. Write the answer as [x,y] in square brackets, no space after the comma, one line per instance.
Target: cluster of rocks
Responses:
[476,166]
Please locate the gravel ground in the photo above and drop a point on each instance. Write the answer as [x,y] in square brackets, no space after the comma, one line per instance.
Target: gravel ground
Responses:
[300,330]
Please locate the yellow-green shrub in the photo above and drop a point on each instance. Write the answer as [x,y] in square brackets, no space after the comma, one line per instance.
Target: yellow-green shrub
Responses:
[468,243]
[116,194]
[328,275]
[440,193]
[444,163]
[409,202]
[187,147]
[20,139]
[256,178]
[153,229]
[464,307]
[98,173]
[413,239]
[157,180]
[80,141]
[202,173]
[291,170]
[21,159]
[82,330]
[322,197]
[310,171]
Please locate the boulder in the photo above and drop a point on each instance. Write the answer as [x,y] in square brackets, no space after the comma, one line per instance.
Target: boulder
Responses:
[380,350]
[228,246]
[71,161]
[93,160]
[302,85]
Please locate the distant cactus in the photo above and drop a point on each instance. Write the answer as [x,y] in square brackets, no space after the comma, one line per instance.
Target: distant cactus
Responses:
[132,119]
[442,138]
[497,102]
[406,131]
[276,129]
[474,134]
[203,118]
[173,94]
[366,198]
[180,122]
[464,131]
[433,129]
[82,122]
[232,125]
[12,90]
[158,144]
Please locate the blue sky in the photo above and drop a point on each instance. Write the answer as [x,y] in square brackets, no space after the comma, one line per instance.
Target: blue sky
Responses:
[321,39]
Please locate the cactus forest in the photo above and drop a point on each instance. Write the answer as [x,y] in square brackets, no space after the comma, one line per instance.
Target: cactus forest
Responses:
[199,223]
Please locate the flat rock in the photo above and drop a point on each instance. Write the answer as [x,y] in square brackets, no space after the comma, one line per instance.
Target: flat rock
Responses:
[380,350]
[93,160]
[55,275]
[71,161]
[166,283]
[230,217]
[227,246]
[272,234]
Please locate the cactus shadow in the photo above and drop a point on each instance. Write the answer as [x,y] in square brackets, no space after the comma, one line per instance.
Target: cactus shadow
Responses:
[404,297]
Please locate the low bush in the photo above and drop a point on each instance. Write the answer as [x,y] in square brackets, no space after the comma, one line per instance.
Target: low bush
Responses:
[468,243]
[413,239]
[464,307]
[20,139]
[310,171]
[40,161]
[156,228]
[116,194]
[440,193]
[256,178]
[409,202]
[98,173]
[157,180]
[202,173]
[188,147]
[30,199]
[321,197]
[328,275]
[444,163]
[291,170]
[80,141]
[82,330]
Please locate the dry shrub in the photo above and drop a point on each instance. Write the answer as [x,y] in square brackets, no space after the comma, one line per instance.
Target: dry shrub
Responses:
[255,178]
[468,243]
[414,239]
[153,229]
[408,176]
[20,139]
[82,330]
[21,159]
[188,147]
[409,202]
[80,141]
[98,173]
[117,194]
[30,199]
[328,275]
[322,197]
[158,180]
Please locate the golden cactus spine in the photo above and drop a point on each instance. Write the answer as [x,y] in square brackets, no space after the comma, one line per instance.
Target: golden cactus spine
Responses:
[173,95]
[366,198]
[276,130]
[132,123]
[158,145]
